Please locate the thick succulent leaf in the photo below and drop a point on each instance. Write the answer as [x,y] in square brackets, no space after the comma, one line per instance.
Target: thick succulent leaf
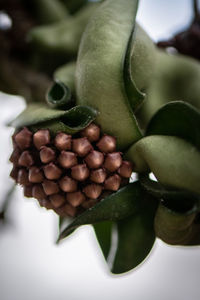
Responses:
[59,96]
[176,77]
[135,97]
[62,37]
[177,119]
[69,121]
[173,161]
[139,66]
[103,232]
[117,206]
[135,237]
[173,224]
[66,74]
[101,60]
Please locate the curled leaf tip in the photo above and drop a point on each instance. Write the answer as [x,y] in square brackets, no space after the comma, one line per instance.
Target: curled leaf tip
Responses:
[59,96]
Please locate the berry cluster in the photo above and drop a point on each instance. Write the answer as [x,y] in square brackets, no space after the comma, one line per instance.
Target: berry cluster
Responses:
[68,174]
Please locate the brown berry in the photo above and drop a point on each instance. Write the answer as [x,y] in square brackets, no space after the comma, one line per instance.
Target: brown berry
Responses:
[41,138]
[107,144]
[14,173]
[63,141]
[15,156]
[28,191]
[81,146]
[38,192]
[23,138]
[50,187]
[22,177]
[125,169]
[75,198]
[89,203]
[112,183]
[46,203]
[80,172]
[94,159]
[67,159]
[47,154]
[25,159]
[51,171]
[98,175]
[66,211]
[69,210]
[93,190]
[35,175]
[113,161]
[68,184]
[57,200]
[92,132]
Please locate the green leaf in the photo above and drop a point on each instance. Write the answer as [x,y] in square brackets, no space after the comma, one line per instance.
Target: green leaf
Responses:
[135,97]
[62,37]
[59,96]
[66,74]
[103,232]
[117,206]
[139,66]
[177,119]
[174,162]
[176,77]
[70,121]
[135,237]
[173,224]
[101,60]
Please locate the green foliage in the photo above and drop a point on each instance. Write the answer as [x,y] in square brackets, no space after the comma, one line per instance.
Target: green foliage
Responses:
[177,118]
[106,39]
[70,121]
[133,211]
[117,67]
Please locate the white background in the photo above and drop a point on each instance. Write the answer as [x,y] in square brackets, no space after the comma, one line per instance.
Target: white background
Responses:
[33,267]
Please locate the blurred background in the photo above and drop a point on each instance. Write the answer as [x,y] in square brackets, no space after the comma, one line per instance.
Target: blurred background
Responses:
[33,267]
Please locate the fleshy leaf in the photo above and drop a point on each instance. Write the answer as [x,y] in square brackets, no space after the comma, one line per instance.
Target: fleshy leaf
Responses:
[135,237]
[177,118]
[62,37]
[103,232]
[176,77]
[101,60]
[173,224]
[117,206]
[138,66]
[69,121]
[173,161]
[66,74]
[59,96]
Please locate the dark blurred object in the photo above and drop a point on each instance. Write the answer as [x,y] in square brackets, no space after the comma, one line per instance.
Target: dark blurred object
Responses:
[5,205]
[15,22]
[13,40]
[188,41]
